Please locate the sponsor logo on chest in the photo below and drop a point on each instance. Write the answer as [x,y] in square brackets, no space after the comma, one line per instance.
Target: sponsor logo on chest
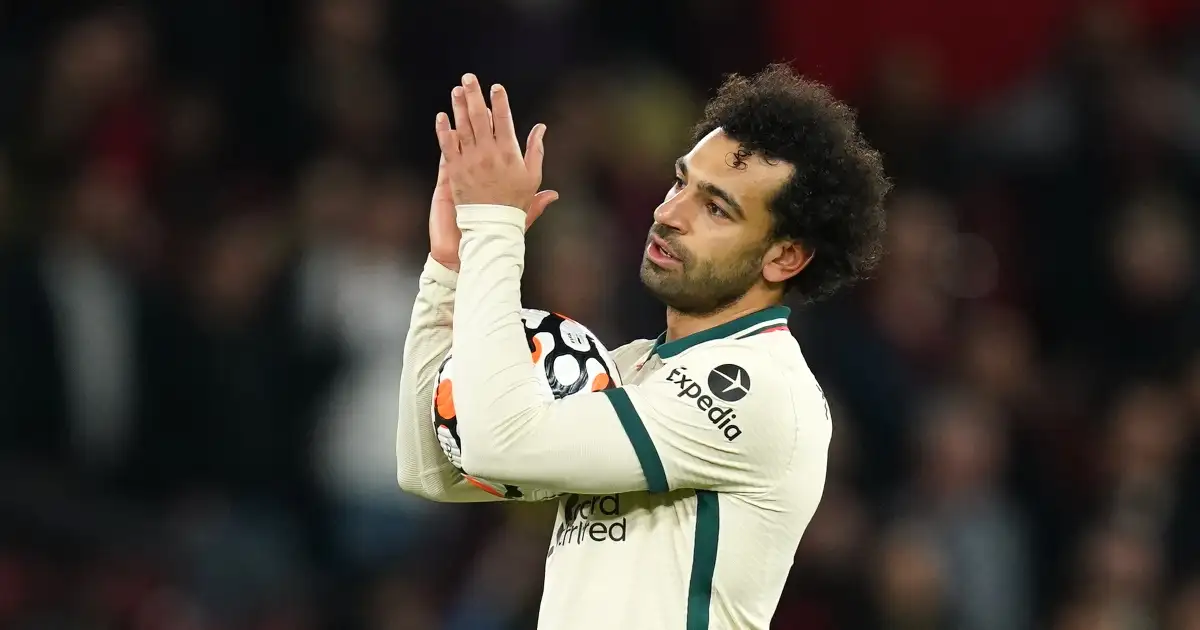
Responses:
[725,384]
[587,519]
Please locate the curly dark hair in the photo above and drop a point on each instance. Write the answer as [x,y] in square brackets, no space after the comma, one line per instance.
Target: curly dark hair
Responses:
[833,203]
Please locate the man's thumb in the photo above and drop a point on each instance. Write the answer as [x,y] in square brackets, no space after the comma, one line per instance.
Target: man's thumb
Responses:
[541,201]
[535,151]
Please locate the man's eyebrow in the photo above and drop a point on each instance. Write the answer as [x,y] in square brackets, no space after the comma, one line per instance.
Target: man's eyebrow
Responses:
[713,190]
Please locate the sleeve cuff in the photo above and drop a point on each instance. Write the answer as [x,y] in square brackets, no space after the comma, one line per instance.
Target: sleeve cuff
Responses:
[439,273]
[477,214]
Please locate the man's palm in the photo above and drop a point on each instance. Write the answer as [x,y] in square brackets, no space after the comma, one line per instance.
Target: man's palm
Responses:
[444,235]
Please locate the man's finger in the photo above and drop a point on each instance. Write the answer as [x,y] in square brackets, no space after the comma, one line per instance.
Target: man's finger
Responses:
[462,120]
[535,151]
[441,192]
[505,130]
[477,109]
[447,141]
[541,201]
[443,176]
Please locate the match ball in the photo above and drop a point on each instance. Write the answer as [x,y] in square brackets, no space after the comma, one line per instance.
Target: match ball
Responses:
[567,360]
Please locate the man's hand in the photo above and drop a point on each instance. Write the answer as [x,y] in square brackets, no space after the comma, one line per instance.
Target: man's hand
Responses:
[481,153]
[444,235]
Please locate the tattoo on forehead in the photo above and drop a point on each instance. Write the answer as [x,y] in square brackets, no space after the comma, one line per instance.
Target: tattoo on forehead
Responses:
[737,159]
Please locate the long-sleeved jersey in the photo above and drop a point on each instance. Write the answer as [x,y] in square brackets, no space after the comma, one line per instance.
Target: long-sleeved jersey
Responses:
[421,465]
[687,489]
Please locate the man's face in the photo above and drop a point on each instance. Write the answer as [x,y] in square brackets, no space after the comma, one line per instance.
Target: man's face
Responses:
[710,235]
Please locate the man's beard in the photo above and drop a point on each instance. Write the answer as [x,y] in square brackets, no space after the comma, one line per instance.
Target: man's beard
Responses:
[702,287]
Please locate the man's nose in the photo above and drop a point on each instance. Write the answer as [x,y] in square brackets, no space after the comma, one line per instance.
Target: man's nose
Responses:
[674,212]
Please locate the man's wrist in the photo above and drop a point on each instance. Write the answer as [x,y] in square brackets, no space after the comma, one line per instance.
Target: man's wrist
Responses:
[470,214]
[440,273]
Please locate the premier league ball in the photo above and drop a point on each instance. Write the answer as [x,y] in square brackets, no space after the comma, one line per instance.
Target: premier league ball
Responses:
[566,358]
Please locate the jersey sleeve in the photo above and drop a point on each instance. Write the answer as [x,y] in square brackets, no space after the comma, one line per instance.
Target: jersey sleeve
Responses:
[699,422]
[421,466]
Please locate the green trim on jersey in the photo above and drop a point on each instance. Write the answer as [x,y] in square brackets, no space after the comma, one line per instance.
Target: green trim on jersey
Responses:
[643,446]
[667,349]
[704,559]
[762,328]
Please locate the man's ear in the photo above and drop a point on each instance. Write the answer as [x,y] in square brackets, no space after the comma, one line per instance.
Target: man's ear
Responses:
[784,260]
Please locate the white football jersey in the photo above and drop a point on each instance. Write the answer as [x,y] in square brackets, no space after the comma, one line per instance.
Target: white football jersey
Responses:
[686,490]
[731,434]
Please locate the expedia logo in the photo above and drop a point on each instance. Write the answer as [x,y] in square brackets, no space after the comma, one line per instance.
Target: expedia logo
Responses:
[728,383]
[594,518]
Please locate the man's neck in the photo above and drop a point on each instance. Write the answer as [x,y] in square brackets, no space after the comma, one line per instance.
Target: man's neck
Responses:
[680,325]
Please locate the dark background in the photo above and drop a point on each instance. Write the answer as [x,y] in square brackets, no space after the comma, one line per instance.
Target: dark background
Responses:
[212,220]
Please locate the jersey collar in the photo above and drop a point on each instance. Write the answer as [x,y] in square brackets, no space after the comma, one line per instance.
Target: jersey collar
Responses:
[743,326]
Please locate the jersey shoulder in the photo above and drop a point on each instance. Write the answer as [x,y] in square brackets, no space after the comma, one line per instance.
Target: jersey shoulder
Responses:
[768,370]
[782,408]
[627,356]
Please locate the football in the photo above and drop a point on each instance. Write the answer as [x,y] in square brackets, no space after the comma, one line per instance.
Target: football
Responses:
[567,360]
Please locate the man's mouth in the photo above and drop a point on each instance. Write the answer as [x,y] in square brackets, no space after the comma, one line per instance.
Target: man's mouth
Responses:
[659,252]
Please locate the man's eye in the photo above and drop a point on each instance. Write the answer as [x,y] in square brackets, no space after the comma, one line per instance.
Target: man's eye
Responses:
[716,211]
[677,182]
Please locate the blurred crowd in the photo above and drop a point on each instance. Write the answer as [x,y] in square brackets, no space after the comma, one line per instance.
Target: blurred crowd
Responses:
[212,218]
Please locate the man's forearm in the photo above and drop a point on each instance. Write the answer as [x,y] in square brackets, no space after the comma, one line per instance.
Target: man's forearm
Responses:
[496,391]
[511,431]
[421,466]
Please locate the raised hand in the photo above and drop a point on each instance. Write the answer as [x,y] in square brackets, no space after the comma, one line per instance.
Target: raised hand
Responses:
[444,235]
[482,155]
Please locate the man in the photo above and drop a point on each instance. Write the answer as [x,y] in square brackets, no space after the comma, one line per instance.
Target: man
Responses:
[687,490]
